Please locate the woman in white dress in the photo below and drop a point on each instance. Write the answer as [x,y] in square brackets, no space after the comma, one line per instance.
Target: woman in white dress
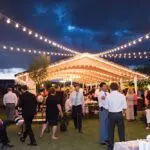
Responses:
[130,105]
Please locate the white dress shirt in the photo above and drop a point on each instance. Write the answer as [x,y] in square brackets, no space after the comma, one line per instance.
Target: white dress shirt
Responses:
[10,97]
[77,98]
[102,99]
[116,102]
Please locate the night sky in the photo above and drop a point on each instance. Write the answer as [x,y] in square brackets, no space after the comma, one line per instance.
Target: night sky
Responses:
[84,25]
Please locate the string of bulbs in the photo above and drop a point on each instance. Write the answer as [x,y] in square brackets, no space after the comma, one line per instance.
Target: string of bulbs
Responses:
[33,51]
[130,55]
[35,34]
[125,46]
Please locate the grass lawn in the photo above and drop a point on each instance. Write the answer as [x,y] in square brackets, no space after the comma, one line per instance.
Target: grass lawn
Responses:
[72,140]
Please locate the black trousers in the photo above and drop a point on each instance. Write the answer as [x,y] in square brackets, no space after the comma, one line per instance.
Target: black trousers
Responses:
[28,128]
[135,110]
[77,116]
[115,119]
[3,136]
[3,131]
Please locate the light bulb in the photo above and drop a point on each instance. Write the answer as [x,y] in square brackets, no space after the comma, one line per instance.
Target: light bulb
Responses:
[41,37]
[4,47]
[45,40]
[129,44]
[125,45]
[18,49]
[53,43]
[140,39]
[134,42]
[8,21]
[30,32]
[36,35]
[24,29]
[11,48]
[147,36]
[17,25]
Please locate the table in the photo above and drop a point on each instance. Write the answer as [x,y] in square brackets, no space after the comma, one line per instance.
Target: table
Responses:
[132,145]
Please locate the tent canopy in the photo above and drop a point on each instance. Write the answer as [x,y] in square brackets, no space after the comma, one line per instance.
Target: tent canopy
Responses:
[88,69]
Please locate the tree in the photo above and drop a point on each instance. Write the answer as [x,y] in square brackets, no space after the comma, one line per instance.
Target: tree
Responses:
[38,69]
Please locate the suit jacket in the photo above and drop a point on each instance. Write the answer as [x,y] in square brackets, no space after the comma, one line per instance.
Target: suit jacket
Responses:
[28,104]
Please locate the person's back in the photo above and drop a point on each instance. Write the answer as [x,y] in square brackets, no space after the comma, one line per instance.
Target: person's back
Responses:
[28,103]
[10,97]
[116,105]
[10,101]
[116,101]
[51,105]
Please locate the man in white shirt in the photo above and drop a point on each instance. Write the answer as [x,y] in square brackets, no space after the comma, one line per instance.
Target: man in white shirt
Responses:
[116,106]
[10,101]
[102,100]
[77,101]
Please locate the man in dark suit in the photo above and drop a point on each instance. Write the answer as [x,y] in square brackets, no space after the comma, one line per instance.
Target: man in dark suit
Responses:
[28,104]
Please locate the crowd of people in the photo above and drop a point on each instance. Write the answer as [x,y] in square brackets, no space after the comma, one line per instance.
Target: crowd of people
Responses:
[113,106]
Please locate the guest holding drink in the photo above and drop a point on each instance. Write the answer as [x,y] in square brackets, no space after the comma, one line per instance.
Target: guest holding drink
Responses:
[130,105]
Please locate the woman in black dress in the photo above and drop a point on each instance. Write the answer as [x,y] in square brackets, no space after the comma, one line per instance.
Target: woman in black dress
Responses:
[53,109]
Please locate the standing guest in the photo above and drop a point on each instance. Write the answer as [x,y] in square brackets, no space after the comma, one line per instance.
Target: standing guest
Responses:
[116,106]
[60,95]
[53,108]
[28,104]
[146,101]
[135,105]
[147,111]
[130,105]
[10,101]
[3,134]
[77,101]
[102,99]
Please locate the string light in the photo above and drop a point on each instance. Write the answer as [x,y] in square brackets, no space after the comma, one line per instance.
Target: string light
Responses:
[17,49]
[136,55]
[36,35]
[129,44]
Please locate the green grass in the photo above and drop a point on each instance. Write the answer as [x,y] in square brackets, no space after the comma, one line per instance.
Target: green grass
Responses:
[72,140]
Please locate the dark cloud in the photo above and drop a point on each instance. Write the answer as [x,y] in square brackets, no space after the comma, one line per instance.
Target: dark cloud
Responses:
[87,25]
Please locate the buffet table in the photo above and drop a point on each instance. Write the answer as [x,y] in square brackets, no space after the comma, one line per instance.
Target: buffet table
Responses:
[132,145]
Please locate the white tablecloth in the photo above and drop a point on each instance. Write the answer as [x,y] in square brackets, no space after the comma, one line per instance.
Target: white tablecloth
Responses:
[132,145]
